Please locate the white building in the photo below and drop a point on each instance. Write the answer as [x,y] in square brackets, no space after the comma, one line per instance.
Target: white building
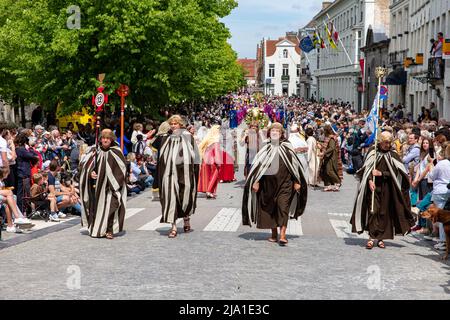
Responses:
[339,75]
[414,23]
[280,68]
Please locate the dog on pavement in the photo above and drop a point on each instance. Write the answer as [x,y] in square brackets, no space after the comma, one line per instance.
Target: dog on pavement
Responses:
[439,215]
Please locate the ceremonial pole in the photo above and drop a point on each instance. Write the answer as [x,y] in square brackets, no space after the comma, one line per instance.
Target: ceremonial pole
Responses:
[380,73]
[122,92]
[98,101]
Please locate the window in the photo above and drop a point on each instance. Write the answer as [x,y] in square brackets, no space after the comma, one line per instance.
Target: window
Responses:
[285,53]
[285,69]
[271,70]
[298,70]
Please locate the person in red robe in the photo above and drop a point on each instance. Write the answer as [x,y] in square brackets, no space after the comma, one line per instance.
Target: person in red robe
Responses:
[212,159]
[226,172]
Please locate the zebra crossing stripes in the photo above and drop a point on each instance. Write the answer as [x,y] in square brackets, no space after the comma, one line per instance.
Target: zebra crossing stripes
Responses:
[230,220]
[340,214]
[133,211]
[41,224]
[294,227]
[343,229]
[156,225]
[227,220]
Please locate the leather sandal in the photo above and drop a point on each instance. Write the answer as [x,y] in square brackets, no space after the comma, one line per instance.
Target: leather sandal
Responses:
[187,226]
[283,242]
[380,244]
[109,235]
[173,233]
[370,244]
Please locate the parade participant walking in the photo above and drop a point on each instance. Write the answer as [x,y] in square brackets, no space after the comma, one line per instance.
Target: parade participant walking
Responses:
[103,189]
[211,154]
[253,141]
[177,170]
[331,164]
[276,188]
[300,147]
[156,145]
[392,211]
[313,160]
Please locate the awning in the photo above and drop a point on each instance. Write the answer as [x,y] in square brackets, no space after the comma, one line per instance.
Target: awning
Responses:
[397,77]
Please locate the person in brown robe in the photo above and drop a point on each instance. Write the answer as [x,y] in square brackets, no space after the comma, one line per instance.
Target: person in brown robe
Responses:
[392,211]
[330,166]
[276,189]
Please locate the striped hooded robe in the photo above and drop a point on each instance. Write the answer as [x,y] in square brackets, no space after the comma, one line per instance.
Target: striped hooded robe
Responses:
[178,167]
[392,202]
[251,212]
[103,207]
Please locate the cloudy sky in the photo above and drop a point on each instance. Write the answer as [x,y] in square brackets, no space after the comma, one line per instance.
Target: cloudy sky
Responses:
[253,20]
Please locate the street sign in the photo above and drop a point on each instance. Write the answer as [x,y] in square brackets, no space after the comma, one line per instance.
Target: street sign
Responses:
[99,99]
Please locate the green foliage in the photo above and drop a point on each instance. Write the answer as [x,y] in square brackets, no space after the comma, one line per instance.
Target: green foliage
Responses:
[166,51]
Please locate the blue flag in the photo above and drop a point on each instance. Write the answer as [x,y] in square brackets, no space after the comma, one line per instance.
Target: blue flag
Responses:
[372,121]
[306,44]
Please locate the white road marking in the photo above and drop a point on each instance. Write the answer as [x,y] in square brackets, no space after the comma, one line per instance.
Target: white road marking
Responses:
[156,225]
[340,214]
[295,227]
[132,211]
[343,229]
[228,220]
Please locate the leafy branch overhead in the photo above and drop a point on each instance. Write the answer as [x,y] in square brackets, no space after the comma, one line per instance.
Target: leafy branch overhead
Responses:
[166,51]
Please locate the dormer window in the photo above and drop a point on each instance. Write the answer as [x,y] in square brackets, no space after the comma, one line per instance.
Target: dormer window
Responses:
[285,53]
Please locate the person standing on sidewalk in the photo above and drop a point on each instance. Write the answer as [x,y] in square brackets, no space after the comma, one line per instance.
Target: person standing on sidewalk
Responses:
[440,176]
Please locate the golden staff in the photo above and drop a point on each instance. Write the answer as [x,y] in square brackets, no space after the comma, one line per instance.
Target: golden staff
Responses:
[380,73]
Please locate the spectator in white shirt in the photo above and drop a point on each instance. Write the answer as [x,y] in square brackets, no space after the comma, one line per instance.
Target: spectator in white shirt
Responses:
[440,176]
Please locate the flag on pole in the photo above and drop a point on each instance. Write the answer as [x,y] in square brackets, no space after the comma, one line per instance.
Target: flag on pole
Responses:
[306,44]
[334,33]
[372,121]
[321,42]
[330,38]
[315,40]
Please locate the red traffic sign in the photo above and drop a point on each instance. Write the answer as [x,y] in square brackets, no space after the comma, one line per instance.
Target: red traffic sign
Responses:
[383,90]
[99,99]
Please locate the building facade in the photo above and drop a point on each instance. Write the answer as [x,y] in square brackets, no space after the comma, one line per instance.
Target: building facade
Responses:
[414,24]
[250,67]
[376,54]
[279,65]
[338,73]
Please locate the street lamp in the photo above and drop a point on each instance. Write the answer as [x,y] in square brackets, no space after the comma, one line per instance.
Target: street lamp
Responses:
[122,91]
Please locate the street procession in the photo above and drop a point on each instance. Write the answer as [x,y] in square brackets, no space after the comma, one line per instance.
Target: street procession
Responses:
[145,156]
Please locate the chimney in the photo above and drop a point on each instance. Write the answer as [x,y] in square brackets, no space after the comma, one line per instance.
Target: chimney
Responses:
[326,4]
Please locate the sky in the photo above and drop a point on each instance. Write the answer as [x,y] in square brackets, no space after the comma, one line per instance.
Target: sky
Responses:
[254,20]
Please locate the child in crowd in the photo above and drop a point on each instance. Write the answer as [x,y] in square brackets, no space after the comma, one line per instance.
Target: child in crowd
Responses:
[8,203]
[41,198]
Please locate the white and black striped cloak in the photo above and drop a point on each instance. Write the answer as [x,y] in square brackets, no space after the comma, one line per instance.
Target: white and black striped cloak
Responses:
[108,200]
[178,166]
[261,163]
[362,205]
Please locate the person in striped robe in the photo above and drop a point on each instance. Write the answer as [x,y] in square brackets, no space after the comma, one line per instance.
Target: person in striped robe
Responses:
[392,210]
[178,168]
[103,189]
[276,188]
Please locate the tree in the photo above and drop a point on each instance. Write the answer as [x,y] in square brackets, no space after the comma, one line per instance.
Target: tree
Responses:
[166,51]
